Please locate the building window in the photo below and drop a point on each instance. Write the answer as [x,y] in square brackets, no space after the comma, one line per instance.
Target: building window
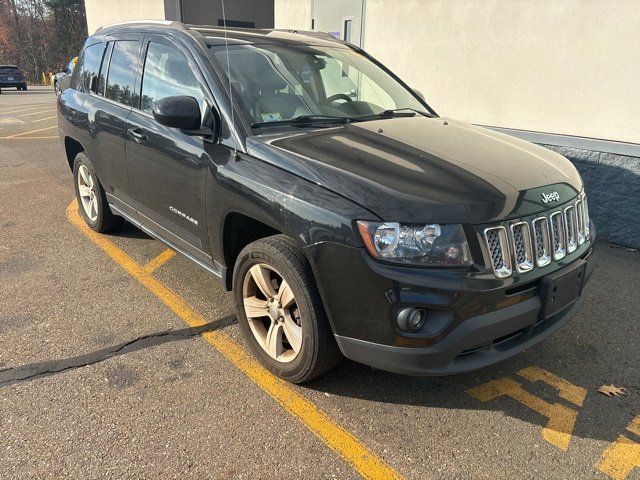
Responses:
[236,23]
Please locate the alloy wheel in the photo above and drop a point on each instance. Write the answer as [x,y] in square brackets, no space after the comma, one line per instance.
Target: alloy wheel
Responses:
[272,313]
[87,191]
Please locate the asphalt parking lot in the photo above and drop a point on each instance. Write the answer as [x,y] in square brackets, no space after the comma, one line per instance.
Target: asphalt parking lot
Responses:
[121,360]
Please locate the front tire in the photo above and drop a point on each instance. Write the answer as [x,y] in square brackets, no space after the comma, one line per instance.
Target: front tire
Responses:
[92,201]
[280,312]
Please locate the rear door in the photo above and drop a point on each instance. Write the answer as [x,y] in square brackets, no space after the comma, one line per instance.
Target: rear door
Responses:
[109,103]
[167,168]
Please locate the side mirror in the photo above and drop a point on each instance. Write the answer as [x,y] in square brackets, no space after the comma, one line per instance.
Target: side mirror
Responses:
[178,112]
[419,94]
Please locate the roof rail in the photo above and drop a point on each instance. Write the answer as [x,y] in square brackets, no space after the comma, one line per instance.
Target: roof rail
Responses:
[143,22]
[309,33]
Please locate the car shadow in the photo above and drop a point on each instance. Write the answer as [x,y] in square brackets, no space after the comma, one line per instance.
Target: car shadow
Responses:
[128,230]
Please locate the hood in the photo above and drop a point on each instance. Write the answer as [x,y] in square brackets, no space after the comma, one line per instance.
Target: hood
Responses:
[420,169]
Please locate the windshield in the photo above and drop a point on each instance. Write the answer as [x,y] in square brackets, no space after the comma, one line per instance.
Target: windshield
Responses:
[275,83]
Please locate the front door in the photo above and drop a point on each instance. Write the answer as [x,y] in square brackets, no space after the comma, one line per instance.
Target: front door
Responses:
[168,168]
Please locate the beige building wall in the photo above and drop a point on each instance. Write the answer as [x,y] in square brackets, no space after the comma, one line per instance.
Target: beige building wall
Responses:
[558,66]
[106,12]
[294,14]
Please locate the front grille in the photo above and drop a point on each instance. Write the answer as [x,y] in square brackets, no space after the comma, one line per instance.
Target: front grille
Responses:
[558,236]
[498,244]
[522,246]
[548,237]
[580,218]
[571,228]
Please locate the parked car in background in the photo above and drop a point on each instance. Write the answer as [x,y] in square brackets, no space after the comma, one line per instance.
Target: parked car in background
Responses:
[62,78]
[12,76]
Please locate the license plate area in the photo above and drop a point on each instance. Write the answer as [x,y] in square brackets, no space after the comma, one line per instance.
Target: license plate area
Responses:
[560,289]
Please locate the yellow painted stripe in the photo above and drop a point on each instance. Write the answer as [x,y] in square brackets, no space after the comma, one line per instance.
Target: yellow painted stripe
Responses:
[29,138]
[22,109]
[36,113]
[365,462]
[43,119]
[32,131]
[160,260]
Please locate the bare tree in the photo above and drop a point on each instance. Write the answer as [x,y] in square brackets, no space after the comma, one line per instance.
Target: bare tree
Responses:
[41,35]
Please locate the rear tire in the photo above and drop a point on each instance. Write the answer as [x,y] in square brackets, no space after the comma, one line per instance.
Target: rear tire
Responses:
[317,351]
[92,201]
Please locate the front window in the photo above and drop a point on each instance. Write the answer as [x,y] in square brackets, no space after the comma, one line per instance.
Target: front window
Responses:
[273,83]
[167,73]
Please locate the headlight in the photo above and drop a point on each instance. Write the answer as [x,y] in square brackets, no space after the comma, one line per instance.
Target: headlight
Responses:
[429,245]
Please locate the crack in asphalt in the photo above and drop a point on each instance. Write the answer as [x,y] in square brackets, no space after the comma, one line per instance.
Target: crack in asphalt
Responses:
[25,373]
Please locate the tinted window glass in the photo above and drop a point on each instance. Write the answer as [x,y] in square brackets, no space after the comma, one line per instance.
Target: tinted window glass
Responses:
[121,78]
[89,65]
[102,78]
[167,73]
[9,70]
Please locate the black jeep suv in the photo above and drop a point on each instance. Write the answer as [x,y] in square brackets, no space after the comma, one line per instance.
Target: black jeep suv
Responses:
[12,76]
[347,217]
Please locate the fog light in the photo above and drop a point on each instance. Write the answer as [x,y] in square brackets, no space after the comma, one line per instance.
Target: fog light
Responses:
[411,319]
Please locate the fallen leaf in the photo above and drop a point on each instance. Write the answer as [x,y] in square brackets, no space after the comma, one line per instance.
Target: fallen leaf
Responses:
[612,390]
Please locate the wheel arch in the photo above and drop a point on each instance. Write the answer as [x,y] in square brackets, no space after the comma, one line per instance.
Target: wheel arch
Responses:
[72,148]
[239,230]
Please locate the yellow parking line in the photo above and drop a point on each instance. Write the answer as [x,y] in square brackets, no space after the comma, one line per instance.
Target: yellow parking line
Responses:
[20,110]
[160,260]
[32,131]
[36,113]
[29,138]
[365,462]
[43,119]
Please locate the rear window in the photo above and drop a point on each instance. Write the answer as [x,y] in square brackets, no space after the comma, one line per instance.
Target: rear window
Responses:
[9,70]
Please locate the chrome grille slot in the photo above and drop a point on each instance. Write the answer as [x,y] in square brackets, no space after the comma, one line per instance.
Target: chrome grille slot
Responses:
[522,249]
[542,241]
[581,223]
[571,228]
[558,237]
[499,251]
[587,220]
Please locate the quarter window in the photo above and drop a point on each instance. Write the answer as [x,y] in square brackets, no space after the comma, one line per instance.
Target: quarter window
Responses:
[121,77]
[167,73]
[102,78]
[89,65]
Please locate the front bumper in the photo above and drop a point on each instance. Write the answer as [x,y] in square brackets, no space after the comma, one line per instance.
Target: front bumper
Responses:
[478,342]
[484,320]
[8,84]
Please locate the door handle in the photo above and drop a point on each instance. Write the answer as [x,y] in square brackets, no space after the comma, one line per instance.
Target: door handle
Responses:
[137,135]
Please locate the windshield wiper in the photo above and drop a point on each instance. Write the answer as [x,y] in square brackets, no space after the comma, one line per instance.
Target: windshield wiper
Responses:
[303,120]
[396,112]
